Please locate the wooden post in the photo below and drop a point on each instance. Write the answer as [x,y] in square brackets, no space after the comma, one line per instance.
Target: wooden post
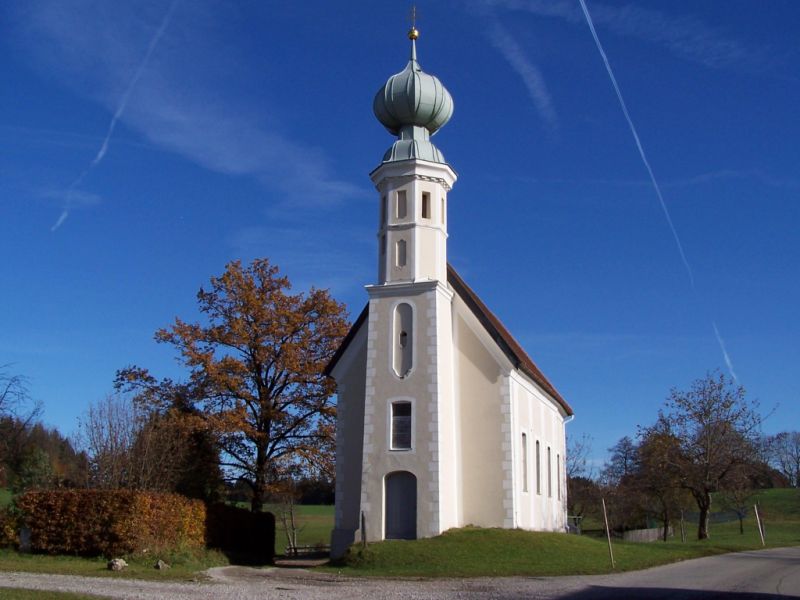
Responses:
[608,533]
[683,531]
[760,528]
[363,530]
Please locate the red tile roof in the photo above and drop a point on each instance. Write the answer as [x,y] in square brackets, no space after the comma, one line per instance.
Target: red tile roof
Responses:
[501,336]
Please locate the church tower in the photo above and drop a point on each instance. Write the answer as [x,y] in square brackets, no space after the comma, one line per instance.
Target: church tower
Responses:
[407,485]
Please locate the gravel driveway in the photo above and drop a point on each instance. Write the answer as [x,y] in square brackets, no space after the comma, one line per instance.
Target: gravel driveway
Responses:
[763,575]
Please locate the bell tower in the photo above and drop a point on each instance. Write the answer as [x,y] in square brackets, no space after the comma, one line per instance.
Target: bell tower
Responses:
[408,480]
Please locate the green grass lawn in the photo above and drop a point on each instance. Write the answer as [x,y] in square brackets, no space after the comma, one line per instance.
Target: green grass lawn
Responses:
[19,594]
[315,523]
[184,567]
[472,552]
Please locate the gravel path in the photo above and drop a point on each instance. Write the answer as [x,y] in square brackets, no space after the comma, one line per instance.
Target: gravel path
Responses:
[760,575]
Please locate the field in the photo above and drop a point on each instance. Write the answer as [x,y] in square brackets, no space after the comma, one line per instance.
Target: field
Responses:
[314,523]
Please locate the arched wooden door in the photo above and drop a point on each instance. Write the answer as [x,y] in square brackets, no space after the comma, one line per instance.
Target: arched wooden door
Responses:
[401,506]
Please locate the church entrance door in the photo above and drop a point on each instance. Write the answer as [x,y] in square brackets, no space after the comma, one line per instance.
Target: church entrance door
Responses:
[401,506]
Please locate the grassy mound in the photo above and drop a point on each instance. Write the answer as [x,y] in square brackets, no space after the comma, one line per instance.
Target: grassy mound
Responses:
[475,552]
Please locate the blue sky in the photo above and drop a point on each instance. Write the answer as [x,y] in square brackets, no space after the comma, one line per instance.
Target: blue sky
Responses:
[245,129]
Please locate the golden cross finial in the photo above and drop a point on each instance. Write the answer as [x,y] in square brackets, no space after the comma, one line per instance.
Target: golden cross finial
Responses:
[413,34]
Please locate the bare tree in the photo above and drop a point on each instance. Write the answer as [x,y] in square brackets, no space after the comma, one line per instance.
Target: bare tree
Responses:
[716,428]
[783,453]
[622,462]
[17,412]
[130,447]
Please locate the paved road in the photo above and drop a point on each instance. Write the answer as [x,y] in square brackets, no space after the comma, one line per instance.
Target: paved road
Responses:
[767,574]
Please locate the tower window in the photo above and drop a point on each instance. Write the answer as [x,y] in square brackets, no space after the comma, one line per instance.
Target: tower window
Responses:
[402,205]
[383,211]
[401,426]
[442,211]
[524,463]
[402,346]
[400,253]
[383,245]
[426,205]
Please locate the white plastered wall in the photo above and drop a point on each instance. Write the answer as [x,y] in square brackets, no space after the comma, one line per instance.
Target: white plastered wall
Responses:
[542,420]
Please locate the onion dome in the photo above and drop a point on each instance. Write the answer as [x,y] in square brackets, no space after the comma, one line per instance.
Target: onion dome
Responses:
[413,105]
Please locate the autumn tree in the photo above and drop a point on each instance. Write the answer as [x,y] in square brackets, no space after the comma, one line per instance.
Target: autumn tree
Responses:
[716,428]
[255,373]
[656,480]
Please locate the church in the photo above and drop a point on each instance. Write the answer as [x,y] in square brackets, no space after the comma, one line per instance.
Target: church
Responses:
[443,419]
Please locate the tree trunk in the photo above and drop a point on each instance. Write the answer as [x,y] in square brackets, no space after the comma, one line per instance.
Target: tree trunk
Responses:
[741,525]
[666,526]
[260,482]
[704,504]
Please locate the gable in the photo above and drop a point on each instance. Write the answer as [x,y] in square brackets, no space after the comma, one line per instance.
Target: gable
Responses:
[502,337]
[496,330]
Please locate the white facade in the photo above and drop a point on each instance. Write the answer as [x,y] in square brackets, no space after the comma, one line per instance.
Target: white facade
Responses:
[440,412]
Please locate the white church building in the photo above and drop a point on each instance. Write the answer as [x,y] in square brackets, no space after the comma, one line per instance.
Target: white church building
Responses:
[443,419]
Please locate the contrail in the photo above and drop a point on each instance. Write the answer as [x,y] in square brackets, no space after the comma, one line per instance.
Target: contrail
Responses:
[638,142]
[117,114]
[529,73]
[652,177]
[725,352]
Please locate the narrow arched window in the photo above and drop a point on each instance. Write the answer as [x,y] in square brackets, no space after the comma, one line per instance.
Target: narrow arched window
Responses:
[538,469]
[558,475]
[549,475]
[402,345]
[524,462]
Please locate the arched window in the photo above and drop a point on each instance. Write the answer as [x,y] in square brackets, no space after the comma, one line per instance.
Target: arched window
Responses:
[402,344]
[524,463]
[538,469]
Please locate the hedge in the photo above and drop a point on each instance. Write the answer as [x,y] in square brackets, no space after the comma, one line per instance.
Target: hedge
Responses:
[111,522]
[8,527]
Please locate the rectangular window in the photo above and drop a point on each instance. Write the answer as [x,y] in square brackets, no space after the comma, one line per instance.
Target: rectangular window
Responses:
[383,245]
[426,205]
[400,254]
[524,463]
[383,211]
[538,469]
[443,212]
[402,205]
[549,475]
[401,425]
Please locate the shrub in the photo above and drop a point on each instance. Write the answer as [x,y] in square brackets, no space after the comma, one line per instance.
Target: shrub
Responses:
[8,527]
[111,522]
